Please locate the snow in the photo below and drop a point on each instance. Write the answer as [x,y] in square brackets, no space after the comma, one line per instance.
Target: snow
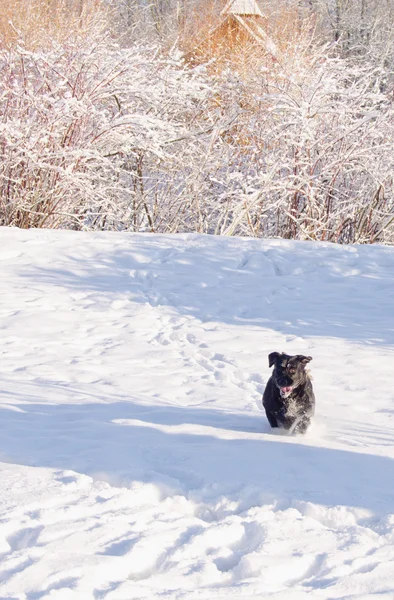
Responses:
[136,459]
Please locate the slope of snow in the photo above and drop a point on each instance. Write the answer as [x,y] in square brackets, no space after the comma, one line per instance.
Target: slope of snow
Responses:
[136,460]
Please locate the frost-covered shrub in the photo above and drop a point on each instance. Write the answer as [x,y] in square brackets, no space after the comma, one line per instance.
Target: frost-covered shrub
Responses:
[311,145]
[88,135]
[97,136]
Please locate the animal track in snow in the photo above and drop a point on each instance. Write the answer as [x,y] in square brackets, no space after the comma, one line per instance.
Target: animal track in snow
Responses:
[174,333]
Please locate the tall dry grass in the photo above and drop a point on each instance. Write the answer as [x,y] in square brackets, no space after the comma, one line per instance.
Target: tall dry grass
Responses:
[38,23]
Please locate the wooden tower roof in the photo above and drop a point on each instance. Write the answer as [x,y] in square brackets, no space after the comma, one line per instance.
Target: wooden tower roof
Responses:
[245,8]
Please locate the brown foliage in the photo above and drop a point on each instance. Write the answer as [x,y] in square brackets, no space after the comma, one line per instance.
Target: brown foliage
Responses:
[38,23]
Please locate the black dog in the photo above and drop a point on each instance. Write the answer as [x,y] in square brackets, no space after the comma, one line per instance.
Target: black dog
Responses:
[288,398]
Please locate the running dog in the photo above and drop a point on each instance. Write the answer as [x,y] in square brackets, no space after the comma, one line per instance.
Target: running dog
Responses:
[288,398]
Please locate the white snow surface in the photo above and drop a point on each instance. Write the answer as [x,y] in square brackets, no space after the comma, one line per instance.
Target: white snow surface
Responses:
[136,459]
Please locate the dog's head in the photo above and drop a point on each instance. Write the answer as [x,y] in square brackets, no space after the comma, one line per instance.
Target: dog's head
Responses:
[289,371]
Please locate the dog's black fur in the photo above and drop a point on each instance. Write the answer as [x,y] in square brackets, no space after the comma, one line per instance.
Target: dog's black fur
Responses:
[288,398]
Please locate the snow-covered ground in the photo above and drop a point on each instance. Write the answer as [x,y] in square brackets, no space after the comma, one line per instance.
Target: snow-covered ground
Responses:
[136,460]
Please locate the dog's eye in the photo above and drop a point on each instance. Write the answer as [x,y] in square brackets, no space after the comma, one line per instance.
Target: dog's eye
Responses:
[292,370]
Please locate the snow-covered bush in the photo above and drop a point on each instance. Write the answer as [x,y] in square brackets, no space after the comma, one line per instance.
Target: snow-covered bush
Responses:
[88,135]
[311,147]
[98,136]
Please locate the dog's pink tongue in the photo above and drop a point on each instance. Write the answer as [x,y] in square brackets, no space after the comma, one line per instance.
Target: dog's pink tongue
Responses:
[286,390]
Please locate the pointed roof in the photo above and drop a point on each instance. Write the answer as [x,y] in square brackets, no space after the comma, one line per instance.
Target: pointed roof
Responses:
[258,34]
[242,7]
[244,12]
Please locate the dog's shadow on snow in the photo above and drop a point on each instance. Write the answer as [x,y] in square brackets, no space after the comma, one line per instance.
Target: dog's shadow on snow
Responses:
[191,451]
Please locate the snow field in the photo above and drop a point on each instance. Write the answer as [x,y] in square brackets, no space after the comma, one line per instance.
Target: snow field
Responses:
[136,459]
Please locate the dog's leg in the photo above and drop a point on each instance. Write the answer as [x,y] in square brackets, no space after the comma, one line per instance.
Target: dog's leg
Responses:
[285,420]
[271,418]
[289,423]
[302,425]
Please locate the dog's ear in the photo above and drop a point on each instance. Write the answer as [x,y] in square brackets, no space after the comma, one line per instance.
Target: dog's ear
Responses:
[304,359]
[272,358]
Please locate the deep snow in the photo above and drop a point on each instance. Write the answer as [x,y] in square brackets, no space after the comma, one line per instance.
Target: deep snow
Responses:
[136,459]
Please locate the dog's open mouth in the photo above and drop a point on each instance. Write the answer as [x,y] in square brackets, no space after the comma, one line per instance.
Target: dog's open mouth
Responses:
[285,391]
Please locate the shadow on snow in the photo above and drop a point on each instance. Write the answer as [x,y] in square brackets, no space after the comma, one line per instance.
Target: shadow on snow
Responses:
[294,288]
[126,441]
